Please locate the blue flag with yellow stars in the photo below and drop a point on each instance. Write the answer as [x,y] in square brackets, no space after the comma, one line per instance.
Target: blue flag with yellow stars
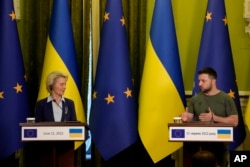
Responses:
[113,121]
[215,51]
[13,90]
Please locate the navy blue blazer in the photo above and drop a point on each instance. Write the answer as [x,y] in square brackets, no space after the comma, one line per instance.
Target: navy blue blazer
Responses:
[44,111]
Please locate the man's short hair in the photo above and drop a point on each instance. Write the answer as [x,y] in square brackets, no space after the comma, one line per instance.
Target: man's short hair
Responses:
[204,158]
[208,70]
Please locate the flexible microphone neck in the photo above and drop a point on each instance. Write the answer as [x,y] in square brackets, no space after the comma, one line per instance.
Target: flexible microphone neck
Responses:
[65,111]
[57,104]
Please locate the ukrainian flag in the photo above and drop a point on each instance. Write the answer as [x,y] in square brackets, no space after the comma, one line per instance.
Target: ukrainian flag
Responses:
[75,133]
[60,55]
[224,134]
[162,94]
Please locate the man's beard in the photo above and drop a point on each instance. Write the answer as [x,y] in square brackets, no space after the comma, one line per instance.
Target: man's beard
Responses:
[206,90]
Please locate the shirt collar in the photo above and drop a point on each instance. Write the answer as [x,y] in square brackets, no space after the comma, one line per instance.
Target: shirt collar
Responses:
[49,99]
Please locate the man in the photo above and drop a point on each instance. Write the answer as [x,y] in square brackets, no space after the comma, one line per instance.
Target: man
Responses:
[211,105]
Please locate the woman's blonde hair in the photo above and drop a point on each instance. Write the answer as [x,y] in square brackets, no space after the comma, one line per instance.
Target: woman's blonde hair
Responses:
[52,77]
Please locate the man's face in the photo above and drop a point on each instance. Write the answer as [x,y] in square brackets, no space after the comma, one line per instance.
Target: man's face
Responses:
[205,82]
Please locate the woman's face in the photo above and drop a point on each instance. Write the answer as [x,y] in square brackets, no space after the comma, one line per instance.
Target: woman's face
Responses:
[59,86]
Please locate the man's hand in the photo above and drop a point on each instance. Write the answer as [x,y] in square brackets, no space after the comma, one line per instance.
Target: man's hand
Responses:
[207,116]
[185,115]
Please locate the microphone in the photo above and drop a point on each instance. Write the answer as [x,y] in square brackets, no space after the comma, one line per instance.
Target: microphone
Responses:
[65,111]
[208,106]
[57,104]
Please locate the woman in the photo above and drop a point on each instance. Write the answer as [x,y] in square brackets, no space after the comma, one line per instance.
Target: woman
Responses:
[55,108]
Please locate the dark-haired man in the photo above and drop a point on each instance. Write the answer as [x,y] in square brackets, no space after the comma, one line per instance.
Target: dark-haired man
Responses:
[211,104]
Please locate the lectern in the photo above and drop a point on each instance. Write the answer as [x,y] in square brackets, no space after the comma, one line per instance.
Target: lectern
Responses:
[200,136]
[53,142]
[201,131]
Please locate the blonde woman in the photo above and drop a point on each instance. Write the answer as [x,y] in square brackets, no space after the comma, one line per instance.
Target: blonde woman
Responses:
[55,107]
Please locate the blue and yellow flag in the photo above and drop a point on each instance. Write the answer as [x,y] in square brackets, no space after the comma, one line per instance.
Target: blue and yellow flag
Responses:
[215,51]
[162,94]
[14,107]
[60,55]
[113,121]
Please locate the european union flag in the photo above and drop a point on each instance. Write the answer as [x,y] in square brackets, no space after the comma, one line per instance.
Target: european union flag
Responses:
[113,120]
[30,133]
[178,133]
[13,91]
[215,51]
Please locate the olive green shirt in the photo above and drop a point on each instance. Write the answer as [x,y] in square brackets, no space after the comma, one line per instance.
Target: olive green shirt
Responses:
[221,104]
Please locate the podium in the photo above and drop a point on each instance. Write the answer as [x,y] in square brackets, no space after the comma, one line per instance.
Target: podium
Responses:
[201,131]
[52,143]
[197,136]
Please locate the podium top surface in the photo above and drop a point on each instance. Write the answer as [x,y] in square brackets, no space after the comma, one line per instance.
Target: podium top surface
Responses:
[200,124]
[70,123]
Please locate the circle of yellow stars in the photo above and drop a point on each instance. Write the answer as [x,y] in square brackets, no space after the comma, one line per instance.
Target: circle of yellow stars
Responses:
[12,15]
[106,17]
[128,92]
[111,98]
[209,18]
[231,93]
[17,88]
